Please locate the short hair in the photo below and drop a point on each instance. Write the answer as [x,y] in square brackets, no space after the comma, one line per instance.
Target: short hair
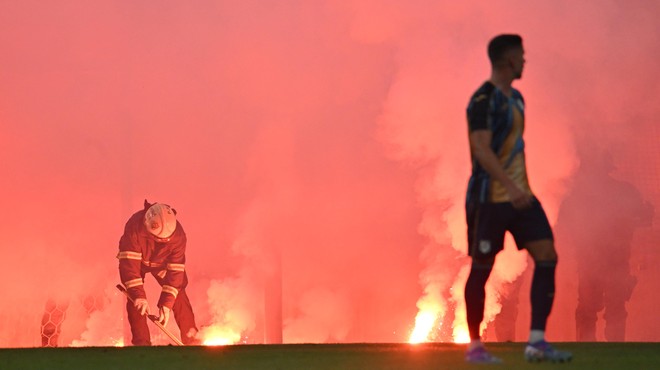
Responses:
[501,44]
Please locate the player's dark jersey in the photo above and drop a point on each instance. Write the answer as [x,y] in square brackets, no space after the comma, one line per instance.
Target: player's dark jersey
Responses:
[504,116]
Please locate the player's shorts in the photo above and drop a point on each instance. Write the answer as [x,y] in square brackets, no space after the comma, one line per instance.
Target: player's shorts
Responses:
[488,222]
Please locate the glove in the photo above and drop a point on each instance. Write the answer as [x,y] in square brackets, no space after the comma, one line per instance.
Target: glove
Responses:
[164,315]
[142,305]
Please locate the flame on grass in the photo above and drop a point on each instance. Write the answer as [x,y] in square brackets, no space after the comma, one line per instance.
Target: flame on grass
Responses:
[431,309]
[424,323]
[219,336]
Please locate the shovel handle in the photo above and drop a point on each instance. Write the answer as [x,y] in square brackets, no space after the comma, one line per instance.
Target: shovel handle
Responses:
[153,319]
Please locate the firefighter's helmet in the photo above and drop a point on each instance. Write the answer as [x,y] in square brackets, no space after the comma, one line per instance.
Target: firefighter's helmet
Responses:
[160,220]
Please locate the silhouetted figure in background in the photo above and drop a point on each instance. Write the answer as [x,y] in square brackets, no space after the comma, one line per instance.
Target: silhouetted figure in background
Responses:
[596,221]
[504,324]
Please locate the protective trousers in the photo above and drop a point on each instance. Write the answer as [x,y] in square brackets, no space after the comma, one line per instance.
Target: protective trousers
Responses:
[183,315]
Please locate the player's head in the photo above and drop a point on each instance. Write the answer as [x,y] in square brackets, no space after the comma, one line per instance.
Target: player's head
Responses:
[506,51]
[160,220]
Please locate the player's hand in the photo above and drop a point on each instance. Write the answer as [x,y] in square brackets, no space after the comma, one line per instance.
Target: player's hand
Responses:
[142,305]
[164,315]
[519,198]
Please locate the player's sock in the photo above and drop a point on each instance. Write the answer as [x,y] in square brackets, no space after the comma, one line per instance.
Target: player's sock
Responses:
[543,293]
[536,336]
[475,297]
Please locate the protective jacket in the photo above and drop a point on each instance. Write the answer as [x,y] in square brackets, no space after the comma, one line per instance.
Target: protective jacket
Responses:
[140,253]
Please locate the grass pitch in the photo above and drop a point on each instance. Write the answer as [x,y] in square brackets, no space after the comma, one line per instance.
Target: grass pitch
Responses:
[430,356]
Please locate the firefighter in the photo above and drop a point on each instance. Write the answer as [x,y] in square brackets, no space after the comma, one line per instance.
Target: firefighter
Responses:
[154,242]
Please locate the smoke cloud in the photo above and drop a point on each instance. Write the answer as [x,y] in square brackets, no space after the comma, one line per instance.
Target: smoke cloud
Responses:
[319,145]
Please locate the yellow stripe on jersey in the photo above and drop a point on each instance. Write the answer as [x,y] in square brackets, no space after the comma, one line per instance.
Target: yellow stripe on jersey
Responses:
[170,289]
[516,170]
[133,283]
[480,98]
[176,266]
[129,255]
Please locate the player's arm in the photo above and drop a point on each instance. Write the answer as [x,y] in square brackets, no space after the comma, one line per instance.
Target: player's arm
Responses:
[480,141]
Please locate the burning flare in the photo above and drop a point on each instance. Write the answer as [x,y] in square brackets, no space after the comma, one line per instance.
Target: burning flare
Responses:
[219,336]
[461,334]
[431,308]
[424,323]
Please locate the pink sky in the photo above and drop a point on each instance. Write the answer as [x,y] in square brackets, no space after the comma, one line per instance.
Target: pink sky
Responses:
[332,131]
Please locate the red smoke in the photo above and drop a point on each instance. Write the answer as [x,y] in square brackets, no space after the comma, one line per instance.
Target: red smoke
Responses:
[329,134]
